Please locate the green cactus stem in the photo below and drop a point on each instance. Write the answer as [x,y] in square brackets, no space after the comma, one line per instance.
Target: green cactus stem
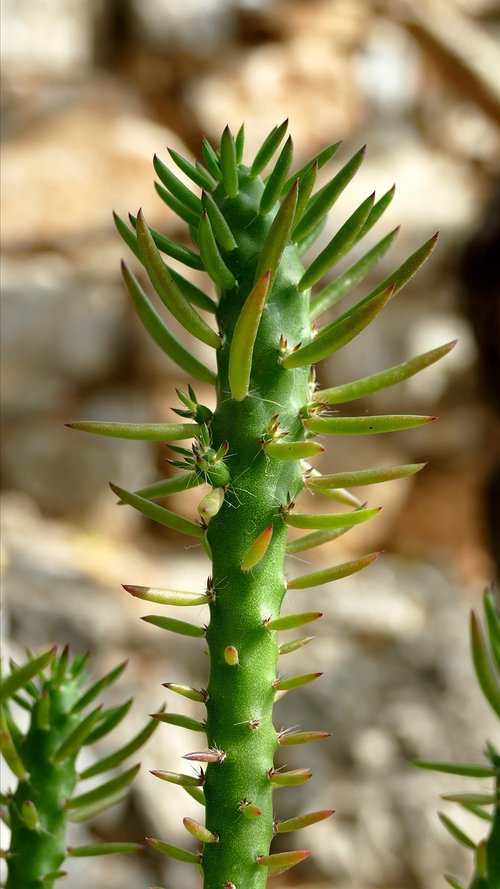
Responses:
[249,232]
[62,719]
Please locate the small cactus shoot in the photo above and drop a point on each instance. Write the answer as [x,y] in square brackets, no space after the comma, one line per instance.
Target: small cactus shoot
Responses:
[50,793]
[249,231]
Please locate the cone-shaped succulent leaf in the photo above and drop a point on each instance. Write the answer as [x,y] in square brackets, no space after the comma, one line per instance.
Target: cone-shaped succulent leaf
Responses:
[301,821]
[212,258]
[161,334]
[245,333]
[22,675]
[176,778]
[199,831]
[276,180]
[363,476]
[318,160]
[294,644]
[174,626]
[293,778]
[168,597]
[268,148]
[197,174]
[326,575]
[324,199]
[257,550]
[220,228]
[138,431]
[483,665]
[173,851]
[348,280]
[167,289]
[104,849]
[339,245]
[292,621]
[110,719]
[176,251]
[365,425]
[456,832]
[174,185]
[76,739]
[293,450]
[339,332]
[179,719]
[180,209]
[330,520]
[116,758]
[239,143]
[317,538]
[284,860]
[291,682]
[468,769]
[109,788]
[158,513]
[228,164]
[187,691]
[278,236]
[165,487]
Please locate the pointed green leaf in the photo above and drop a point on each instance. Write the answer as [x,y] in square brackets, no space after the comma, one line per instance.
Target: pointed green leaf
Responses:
[177,206]
[455,831]
[317,538]
[293,450]
[339,245]
[453,882]
[292,621]
[139,431]
[291,682]
[177,188]
[283,860]
[228,164]
[363,476]
[244,336]
[306,185]
[405,272]
[320,159]
[257,549]
[390,377]
[493,625]
[212,259]
[324,199]
[127,235]
[30,816]
[483,666]
[173,851]
[171,248]
[211,159]
[159,513]
[200,832]
[301,821]
[197,174]
[188,691]
[22,675]
[312,237]
[77,816]
[277,237]
[161,334]
[365,425]
[104,849]
[110,788]
[114,759]
[220,228]
[339,332]
[348,280]
[293,778]
[174,626]
[326,575]
[277,178]
[176,778]
[77,737]
[110,718]
[167,289]
[167,486]
[59,667]
[295,644]
[268,148]
[168,597]
[329,519]
[376,212]
[291,739]
[197,794]
[472,799]
[193,293]
[239,143]
[11,756]
[99,687]
[179,719]
[468,769]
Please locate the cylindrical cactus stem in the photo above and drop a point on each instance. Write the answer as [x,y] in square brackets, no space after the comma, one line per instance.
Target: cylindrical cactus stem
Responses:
[240,701]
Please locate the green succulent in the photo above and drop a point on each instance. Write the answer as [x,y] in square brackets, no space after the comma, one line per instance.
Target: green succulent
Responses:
[56,693]
[249,233]
[485,649]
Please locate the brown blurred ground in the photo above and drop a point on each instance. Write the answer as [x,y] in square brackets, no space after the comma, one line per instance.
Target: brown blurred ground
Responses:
[90,92]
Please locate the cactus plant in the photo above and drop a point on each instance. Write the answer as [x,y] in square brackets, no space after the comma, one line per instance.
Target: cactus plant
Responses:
[485,650]
[249,232]
[56,693]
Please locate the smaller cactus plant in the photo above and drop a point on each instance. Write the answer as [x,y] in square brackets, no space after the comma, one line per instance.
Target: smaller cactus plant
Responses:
[485,649]
[56,693]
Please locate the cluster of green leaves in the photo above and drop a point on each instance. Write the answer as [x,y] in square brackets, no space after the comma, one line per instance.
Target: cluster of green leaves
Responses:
[57,695]
[485,648]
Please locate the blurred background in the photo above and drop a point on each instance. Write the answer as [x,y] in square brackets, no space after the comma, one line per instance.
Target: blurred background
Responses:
[91,89]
